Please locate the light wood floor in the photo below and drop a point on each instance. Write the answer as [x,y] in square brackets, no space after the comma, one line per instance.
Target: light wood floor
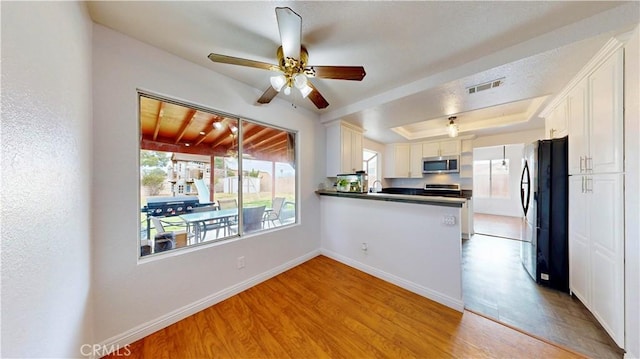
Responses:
[324,309]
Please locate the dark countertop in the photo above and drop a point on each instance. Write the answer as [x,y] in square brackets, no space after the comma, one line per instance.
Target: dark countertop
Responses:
[465,193]
[393,197]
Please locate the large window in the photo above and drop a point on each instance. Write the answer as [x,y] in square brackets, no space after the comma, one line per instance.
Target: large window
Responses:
[491,178]
[207,176]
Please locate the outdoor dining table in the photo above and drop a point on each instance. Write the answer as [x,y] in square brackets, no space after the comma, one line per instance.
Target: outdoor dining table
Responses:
[192,219]
[222,215]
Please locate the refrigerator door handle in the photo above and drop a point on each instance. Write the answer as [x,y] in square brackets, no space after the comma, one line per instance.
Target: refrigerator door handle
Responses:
[525,201]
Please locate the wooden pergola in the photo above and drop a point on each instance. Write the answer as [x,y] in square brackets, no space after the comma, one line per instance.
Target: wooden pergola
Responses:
[170,127]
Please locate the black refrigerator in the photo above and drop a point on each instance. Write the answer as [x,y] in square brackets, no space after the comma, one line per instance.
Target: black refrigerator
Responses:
[544,195]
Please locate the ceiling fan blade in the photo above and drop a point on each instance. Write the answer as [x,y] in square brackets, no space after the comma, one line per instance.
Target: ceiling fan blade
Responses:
[242,62]
[290,26]
[268,95]
[316,97]
[355,73]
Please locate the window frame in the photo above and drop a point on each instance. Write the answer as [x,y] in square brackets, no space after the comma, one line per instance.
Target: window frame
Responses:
[240,120]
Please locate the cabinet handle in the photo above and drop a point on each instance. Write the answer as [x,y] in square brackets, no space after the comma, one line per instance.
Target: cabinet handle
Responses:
[582,180]
[589,185]
[588,163]
[581,162]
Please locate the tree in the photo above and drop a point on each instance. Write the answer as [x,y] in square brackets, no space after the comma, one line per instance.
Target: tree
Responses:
[154,180]
[153,159]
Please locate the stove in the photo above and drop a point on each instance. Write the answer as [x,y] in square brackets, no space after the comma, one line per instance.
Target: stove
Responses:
[444,190]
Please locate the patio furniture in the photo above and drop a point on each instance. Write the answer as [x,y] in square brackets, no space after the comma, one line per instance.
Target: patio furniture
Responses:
[212,224]
[274,214]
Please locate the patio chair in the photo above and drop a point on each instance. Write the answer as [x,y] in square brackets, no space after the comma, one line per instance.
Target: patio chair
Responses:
[252,218]
[227,203]
[276,209]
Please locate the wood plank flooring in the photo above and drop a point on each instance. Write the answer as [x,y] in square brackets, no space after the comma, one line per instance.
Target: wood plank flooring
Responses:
[324,309]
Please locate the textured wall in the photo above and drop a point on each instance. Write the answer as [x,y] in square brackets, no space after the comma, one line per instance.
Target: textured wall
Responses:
[144,294]
[46,177]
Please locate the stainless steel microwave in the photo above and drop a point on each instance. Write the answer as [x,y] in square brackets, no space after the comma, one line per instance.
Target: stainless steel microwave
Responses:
[443,164]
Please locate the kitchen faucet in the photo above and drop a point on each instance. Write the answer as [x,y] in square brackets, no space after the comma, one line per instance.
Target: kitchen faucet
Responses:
[373,186]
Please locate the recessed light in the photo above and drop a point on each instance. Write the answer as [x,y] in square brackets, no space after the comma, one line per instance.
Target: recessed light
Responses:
[187,144]
[202,133]
[217,125]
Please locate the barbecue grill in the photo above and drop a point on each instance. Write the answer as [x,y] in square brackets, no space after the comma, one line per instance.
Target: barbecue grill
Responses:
[168,206]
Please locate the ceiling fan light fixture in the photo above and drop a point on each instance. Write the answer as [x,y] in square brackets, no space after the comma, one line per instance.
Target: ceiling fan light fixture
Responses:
[287,90]
[452,128]
[300,80]
[306,90]
[277,82]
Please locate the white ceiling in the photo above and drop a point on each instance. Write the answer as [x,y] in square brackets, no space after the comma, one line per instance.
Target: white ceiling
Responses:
[419,56]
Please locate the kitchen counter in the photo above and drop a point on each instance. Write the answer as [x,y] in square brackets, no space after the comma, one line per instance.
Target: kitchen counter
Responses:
[392,197]
[412,241]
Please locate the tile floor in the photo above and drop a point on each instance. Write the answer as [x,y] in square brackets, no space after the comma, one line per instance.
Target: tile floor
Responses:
[496,285]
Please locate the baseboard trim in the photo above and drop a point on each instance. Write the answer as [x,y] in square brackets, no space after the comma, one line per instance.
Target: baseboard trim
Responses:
[436,296]
[152,326]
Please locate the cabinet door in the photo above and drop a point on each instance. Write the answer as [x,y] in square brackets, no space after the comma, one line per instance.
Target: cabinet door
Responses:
[356,151]
[415,165]
[578,128]
[346,150]
[397,160]
[579,246]
[606,229]
[450,148]
[402,155]
[605,98]
[431,149]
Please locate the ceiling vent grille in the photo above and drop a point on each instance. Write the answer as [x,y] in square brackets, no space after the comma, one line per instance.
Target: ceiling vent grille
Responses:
[485,86]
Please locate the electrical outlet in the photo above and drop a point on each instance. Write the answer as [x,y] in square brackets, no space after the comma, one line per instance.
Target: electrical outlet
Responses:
[240,262]
[364,246]
[449,220]
[544,276]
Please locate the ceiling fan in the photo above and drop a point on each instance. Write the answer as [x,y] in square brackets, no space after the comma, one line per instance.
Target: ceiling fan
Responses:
[292,64]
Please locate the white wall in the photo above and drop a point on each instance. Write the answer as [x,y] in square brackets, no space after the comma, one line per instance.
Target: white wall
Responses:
[407,244]
[137,298]
[632,195]
[46,178]
[501,206]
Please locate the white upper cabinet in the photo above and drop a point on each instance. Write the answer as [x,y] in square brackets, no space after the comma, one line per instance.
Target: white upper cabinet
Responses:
[606,115]
[556,122]
[442,148]
[397,160]
[344,149]
[578,125]
[403,160]
[596,120]
[415,161]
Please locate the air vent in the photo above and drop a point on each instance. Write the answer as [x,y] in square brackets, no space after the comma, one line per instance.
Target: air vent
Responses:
[485,86]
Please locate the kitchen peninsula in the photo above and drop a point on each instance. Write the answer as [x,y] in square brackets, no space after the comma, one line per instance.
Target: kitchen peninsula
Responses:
[411,241]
